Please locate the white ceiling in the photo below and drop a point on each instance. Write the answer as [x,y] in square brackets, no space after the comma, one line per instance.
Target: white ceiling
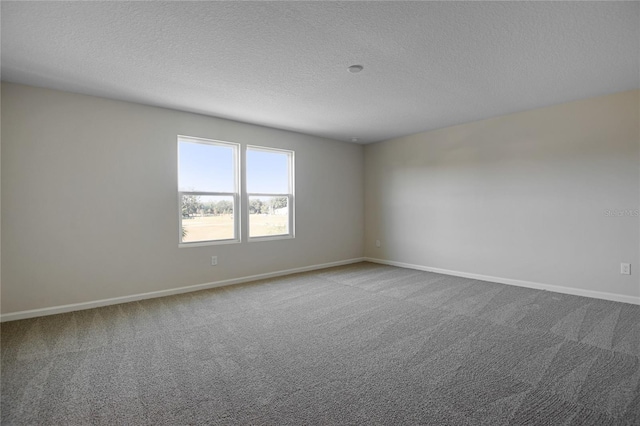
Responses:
[426,65]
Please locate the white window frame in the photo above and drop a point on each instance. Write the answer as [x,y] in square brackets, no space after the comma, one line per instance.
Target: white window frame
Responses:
[290,195]
[237,209]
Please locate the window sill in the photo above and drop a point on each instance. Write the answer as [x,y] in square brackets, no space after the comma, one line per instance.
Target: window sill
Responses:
[270,238]
[207,243]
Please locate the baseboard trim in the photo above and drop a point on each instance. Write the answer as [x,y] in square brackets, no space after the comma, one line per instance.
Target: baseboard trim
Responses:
[520,283]
[169,292]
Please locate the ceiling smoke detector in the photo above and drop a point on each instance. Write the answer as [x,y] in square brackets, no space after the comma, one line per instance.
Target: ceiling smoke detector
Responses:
[355,68]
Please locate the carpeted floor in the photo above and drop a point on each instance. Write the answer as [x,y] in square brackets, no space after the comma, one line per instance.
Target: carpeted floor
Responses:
[361,344]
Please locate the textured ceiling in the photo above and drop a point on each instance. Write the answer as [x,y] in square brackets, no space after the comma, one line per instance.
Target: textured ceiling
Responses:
[426,65]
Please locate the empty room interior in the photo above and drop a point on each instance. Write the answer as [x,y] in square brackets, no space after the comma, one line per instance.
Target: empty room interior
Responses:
[320,213]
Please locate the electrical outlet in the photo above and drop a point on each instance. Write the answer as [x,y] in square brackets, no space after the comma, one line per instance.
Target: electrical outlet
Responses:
[625,268]
[214,260]
[377,243]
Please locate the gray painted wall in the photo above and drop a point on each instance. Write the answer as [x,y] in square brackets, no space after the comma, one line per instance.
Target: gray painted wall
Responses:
[89,202]
[522,196]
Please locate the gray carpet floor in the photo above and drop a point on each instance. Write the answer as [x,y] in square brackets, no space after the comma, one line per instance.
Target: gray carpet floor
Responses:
[360,344]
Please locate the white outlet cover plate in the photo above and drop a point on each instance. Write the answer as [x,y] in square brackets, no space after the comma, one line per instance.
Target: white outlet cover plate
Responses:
[625,268]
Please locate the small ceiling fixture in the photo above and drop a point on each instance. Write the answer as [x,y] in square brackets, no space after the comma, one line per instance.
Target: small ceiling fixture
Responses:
[355,68]
[354,139]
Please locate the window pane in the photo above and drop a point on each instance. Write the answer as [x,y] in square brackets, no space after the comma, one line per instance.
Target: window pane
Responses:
[267,172]
[207,218]
[205,167]
[268,216]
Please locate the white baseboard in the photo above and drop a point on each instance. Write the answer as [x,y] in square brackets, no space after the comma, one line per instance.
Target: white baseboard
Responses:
[520,283]
[135,297]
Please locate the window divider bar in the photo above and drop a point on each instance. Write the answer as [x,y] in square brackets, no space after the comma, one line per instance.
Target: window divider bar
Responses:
[214,194]
[259,194]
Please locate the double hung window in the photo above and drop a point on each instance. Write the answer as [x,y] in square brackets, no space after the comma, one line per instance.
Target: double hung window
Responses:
[269,192]
[208,190]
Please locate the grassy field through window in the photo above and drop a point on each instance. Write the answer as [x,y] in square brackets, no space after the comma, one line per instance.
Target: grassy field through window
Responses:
[220,227]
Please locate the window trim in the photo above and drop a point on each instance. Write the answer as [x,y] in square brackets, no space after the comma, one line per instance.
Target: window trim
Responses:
[237,207]
[290,195]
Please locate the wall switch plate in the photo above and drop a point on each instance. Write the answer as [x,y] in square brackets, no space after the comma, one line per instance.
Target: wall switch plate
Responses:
[625,268]
[214,260]
[377,243]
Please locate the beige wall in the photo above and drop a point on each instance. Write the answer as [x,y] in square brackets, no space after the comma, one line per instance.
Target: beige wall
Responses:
[89,203]
[89,207]
[520,197]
